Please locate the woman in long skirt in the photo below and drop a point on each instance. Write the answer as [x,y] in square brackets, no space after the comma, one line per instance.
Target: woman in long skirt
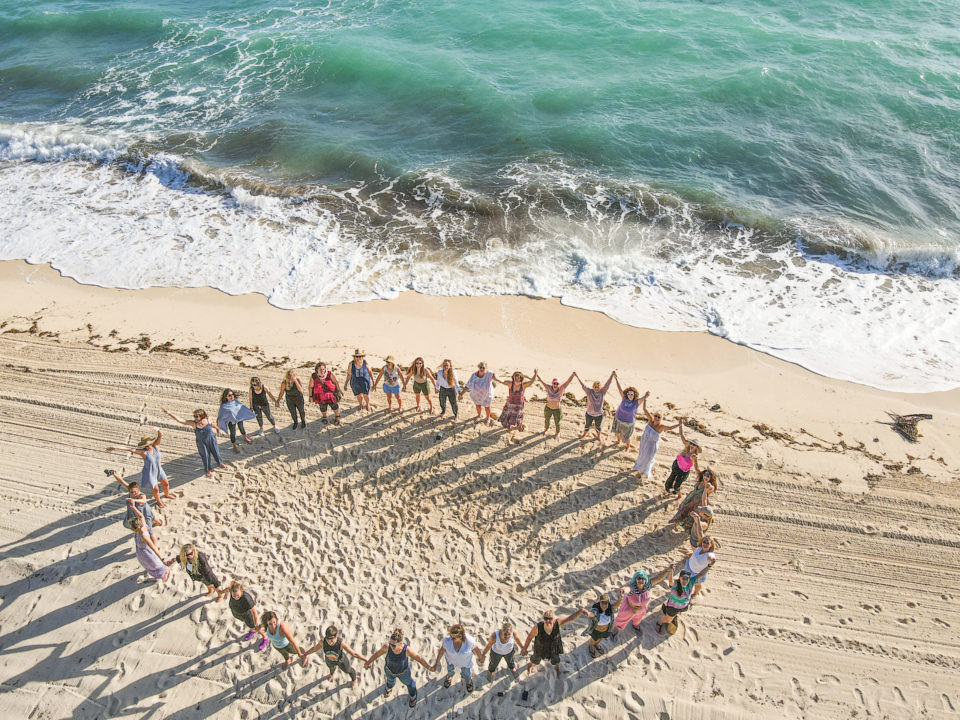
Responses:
[511,417]
[650,440]
[148,553]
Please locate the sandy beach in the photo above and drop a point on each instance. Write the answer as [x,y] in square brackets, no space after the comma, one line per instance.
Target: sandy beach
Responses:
[834,594]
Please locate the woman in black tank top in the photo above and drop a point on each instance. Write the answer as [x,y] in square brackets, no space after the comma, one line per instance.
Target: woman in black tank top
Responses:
[545,636]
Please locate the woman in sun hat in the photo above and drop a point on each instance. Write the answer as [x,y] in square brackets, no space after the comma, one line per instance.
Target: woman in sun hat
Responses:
[153,478]
[552,409]
[601,615]
[358,378]
[205,433]
[392,376]
[233,413]
[480,386]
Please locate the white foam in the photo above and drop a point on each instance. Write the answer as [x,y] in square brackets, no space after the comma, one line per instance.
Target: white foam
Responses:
[144,226]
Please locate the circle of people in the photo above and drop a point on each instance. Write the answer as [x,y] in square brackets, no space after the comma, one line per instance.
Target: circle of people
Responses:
[607,616]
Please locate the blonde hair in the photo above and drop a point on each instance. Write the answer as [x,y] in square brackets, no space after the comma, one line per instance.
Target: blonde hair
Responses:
[396,636]
[457,631]
[289,374]
[236,586]
[183,553]
[506,626]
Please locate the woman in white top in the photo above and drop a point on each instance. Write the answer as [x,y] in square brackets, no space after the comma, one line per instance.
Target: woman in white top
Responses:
[447,388]
[480,386]
[459,649]
[699,562]
[502,645]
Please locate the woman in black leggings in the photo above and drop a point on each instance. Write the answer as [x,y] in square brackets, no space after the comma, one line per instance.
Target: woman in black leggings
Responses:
[260,399]
[292,388]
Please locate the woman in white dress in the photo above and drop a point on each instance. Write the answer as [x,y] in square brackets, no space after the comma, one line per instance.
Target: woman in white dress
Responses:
[650,440]
[480,386]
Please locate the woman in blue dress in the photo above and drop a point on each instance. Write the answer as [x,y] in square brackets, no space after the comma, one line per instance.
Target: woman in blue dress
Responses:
[206,436]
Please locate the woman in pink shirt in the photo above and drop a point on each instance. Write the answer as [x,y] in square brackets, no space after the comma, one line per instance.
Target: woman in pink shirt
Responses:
[685,461]
[636,598]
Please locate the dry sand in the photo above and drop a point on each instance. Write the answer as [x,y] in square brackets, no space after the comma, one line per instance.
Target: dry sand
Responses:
[835,593]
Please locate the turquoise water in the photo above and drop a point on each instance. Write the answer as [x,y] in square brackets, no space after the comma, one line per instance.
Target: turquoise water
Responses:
[784,177]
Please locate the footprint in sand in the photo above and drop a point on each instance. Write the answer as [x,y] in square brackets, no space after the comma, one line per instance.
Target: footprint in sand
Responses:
[120,637]
[807,621]
[772,668]
[833,608]
[767,595]
[828,679]
[801,595]
[906,620]
[138,602]
[944,623]
[947,702]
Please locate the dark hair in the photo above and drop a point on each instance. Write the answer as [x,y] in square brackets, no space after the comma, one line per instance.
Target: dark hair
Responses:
[330,631]
[133,484]
[223,395]
[267,617]
[317,366]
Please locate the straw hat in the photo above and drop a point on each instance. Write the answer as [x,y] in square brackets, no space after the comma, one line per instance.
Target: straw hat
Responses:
[359,352]
[146,441]
[391,359]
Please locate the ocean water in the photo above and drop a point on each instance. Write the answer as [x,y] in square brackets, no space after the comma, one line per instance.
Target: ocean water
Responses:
[783,175]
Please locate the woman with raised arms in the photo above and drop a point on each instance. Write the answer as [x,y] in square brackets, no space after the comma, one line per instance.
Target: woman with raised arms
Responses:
[552,410]
[511,417]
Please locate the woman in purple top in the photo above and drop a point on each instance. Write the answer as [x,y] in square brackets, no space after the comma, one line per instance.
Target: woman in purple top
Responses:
[626,417]
[552,409]
[595,405]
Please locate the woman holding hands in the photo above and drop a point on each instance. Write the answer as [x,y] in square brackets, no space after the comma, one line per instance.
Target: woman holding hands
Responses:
[650,440]
[595,405]
[205,433]
[552,409]
[511,417]
[458,648]
[547,644]
[152,477]
[397,664]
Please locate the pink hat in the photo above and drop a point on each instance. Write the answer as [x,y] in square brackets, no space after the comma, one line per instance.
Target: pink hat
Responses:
[556,381]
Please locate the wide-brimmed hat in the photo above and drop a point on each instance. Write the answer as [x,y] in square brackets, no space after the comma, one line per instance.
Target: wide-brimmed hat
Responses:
[359,352]
[146,441]
[391,359]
